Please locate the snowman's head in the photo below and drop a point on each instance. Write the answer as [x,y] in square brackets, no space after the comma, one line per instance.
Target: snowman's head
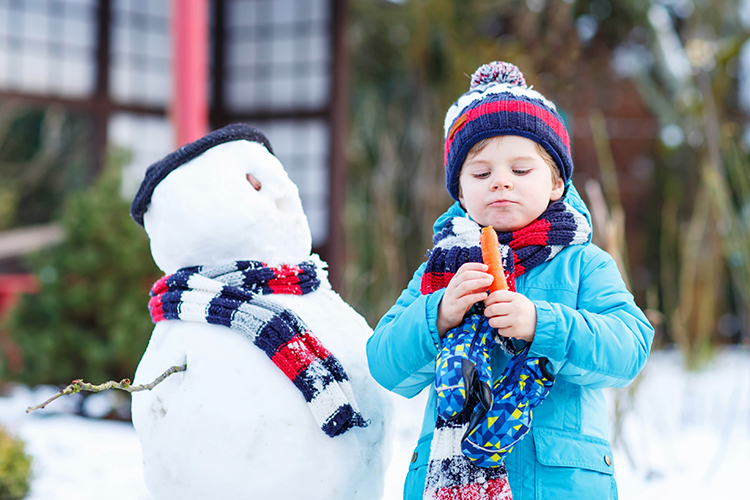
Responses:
[223,198]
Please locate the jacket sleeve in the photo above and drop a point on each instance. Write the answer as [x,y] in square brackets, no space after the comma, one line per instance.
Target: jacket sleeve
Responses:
[401,351]
[603,342]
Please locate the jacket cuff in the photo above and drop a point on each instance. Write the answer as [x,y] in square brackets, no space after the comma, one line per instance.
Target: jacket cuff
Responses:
[547,343]
[431,311]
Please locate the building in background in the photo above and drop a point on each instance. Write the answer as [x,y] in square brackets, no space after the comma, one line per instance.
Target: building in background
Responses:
[276,64]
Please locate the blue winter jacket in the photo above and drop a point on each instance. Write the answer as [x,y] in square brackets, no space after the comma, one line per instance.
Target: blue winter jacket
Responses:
[590,330]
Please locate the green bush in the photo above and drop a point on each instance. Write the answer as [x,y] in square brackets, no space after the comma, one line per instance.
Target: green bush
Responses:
[90,319]
[15,468]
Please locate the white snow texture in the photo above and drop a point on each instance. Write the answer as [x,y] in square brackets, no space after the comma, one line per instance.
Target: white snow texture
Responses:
[232,426]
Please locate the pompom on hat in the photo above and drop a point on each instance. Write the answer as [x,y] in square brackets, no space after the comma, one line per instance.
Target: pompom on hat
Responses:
[499,103]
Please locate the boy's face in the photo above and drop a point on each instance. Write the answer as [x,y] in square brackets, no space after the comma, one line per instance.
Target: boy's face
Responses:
[507,185]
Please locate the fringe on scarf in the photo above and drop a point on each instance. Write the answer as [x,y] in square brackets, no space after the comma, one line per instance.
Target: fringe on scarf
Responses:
[452,476]
[231,296]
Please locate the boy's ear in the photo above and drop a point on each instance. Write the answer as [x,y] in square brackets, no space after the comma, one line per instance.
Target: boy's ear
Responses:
[557,190]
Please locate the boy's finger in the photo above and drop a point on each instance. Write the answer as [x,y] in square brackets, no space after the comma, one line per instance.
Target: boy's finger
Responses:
[473,275]
[496,316]
[472,266]
[506,332]
[500,296]
[476,275]
[471,299]
[502,323]
[494,310]
[478,284]
[459,306]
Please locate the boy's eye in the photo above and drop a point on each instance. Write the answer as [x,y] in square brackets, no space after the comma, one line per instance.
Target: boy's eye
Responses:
[521,171]
[481,175]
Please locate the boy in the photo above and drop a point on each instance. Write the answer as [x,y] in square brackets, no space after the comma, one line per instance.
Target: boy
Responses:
[508,166]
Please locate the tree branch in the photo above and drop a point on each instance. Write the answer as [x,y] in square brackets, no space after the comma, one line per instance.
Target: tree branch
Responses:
[124,385]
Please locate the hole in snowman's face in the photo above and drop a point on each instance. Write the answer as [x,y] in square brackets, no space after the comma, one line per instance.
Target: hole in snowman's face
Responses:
[253,181]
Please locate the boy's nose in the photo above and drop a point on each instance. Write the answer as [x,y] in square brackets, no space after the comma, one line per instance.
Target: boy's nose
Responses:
[501,181]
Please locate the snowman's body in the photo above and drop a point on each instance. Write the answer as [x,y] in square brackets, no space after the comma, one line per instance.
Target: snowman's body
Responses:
[232,425]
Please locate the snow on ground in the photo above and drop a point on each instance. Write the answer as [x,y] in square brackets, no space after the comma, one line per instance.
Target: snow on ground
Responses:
[684,435]
[689,433]
[74,458]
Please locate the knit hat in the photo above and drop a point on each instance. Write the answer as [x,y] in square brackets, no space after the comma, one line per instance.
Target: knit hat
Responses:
[159,170]
[499,103]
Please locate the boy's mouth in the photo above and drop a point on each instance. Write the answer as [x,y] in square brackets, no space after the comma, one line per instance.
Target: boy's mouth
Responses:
[501,203]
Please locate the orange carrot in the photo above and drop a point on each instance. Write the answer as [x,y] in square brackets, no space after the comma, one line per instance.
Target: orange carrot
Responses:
[491,256]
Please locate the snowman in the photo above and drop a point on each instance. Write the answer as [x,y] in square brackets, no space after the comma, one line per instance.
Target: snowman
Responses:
[276,400]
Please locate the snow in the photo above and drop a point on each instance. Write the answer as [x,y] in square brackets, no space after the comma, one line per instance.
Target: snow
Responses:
[74,457]
[233,417]
[688,435]
[207,213]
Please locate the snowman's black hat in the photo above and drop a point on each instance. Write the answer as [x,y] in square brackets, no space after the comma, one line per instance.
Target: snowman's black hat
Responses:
[159,170]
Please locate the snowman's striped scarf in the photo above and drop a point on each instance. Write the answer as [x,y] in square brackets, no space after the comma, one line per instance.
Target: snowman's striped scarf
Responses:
[231,296]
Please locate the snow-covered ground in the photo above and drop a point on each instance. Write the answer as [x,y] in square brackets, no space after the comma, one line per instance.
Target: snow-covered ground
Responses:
[688,434]
[684,435]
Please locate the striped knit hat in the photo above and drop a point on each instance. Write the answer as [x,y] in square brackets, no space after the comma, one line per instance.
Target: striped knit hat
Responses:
[499,103]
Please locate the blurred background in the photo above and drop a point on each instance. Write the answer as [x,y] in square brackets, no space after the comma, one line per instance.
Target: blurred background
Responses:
[352,95]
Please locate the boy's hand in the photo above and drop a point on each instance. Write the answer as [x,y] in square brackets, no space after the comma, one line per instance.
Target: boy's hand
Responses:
[467,287]
[513,314]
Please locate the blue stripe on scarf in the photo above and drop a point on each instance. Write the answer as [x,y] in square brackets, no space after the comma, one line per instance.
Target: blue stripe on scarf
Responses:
[345,419]
[306,383]
[273,335]
[171,304]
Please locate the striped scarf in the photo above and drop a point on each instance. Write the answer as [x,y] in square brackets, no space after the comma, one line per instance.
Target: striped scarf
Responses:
[451,475]
[231,296]
[559,226]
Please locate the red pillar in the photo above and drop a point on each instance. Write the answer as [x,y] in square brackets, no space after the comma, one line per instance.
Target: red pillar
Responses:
[190,69]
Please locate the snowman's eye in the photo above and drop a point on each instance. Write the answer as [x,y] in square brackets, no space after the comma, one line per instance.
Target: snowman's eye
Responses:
[253,181]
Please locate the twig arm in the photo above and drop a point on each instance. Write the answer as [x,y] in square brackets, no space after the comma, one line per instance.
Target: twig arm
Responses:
[124,385]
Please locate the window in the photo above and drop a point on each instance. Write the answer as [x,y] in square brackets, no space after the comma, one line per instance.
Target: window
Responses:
[48,46]
[278,54]
[141,62]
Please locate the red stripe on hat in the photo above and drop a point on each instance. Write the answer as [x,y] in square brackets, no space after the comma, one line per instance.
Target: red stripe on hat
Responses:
[447,150]
[514,106]
[293,357]
[529,108]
